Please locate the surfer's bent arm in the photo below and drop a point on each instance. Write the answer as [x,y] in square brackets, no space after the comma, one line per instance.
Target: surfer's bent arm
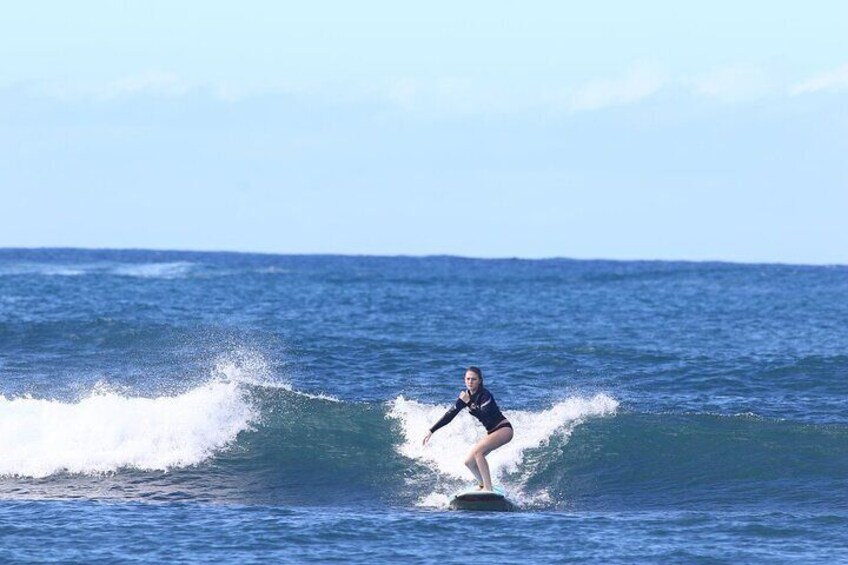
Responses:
[449,415]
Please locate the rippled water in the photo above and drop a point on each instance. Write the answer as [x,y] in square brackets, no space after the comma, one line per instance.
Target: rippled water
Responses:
[219,407]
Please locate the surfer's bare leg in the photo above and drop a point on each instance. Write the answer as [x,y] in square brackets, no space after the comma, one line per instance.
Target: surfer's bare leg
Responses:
[471,463]
[476,460]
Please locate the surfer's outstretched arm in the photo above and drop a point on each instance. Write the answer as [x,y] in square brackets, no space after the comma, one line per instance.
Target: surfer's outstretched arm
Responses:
[449,415]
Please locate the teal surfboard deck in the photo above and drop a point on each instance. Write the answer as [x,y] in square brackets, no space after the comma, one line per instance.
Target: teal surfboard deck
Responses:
[483,500]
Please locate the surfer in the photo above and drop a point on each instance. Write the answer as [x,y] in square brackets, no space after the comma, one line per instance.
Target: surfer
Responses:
[481,404]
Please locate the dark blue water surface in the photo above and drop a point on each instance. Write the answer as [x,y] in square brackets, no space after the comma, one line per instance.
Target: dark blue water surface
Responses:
[193,407]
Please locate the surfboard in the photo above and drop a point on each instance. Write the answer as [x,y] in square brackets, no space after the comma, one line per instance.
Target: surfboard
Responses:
[475,499]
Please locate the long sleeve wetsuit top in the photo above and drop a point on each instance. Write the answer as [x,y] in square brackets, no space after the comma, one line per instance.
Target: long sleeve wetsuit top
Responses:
[481,405]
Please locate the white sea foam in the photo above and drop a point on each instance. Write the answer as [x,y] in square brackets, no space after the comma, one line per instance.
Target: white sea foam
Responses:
[446,450]
[108,431]
[251,367]
[63,271]
[170,270]
[163,270]
[244,365]
[45,269]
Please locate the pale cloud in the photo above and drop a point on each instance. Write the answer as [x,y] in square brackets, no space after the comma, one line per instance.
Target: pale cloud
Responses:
[732,84]
[443,95]
[239,91]
[151,83]
[403,93]
[448,96]
[830,81]
[464,96]
[156,83]
[640,82]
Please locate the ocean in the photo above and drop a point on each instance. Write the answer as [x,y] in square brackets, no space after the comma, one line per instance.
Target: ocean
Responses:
[183,407]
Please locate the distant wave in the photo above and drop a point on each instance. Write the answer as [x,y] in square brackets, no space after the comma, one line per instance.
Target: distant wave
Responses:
[155,270]
[43,269]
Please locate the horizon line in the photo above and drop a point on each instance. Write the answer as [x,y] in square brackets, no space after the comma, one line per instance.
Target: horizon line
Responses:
[418,256]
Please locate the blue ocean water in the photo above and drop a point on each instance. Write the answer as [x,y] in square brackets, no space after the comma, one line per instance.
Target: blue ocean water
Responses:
[216,407]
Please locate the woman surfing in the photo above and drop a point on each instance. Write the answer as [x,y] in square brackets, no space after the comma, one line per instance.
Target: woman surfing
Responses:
[481,404]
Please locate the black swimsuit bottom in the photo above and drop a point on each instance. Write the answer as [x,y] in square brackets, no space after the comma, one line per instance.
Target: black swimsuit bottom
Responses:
[504,424]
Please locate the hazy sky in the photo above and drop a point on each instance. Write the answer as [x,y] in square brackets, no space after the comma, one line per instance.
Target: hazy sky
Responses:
[649,130]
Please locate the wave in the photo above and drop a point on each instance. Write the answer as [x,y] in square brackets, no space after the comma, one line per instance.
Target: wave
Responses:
[245,436]
[241,436]
[172,270]
[107,431]
[151,270]
[697,460]
[446,451]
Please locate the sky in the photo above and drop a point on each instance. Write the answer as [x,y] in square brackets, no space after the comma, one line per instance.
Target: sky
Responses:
[620,130]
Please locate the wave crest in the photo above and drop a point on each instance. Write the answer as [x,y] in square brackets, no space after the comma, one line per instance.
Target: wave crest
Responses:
[107,431]
[446,450]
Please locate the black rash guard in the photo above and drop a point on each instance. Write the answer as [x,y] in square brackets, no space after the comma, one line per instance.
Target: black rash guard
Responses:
[481,405]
